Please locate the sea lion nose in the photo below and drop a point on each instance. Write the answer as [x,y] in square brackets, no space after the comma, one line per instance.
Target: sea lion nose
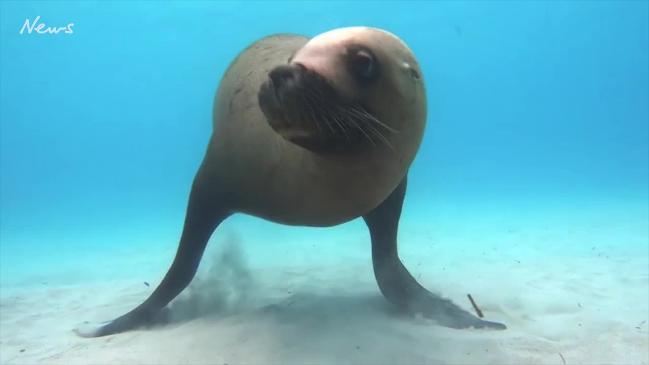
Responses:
[284,76]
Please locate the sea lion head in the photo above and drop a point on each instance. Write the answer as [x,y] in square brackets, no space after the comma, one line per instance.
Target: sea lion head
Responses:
[348,89]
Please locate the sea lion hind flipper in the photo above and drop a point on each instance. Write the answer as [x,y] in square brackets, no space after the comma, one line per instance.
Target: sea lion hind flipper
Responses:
[394,280]
[88,329]
[205,211]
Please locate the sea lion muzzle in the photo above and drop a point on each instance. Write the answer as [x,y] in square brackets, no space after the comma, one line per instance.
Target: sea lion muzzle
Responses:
[304,108]
[290,100]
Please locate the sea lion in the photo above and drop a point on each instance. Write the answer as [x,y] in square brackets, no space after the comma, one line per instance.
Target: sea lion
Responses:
[311,132]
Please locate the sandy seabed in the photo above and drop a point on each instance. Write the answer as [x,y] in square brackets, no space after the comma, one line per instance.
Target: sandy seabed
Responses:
[315,305]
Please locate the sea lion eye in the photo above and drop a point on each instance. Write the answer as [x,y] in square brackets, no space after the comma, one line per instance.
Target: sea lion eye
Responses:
[363,64]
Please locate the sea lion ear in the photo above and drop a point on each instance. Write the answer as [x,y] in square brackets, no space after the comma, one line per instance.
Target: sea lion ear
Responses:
[414,73]
[411,71]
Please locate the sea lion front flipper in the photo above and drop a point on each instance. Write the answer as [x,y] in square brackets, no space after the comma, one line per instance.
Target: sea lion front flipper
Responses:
[205,211]
[394,280]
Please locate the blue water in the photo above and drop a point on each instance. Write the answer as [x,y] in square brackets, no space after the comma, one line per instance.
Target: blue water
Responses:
[538,117]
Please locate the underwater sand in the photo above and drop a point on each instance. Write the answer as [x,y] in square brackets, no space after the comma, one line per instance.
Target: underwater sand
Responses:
[572,288]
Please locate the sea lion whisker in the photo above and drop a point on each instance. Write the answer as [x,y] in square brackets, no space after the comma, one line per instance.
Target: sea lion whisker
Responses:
[313,113]
[360,128]
[336,118]
[339,121]
[364,122]
[367,115]
[376,120]
[313,100]
[342,126]
[380,135]
[310,95]
[326,112]
[328,124]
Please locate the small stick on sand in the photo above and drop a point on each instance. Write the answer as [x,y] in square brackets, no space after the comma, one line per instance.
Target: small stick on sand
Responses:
[475,306]
[562,359]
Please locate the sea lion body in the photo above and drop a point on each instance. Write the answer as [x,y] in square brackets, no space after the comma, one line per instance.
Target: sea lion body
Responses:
[310,132]
[270,177]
